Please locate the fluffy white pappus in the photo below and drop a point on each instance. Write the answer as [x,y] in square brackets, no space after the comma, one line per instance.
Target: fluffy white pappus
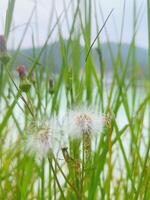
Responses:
[82,120]
[42,138]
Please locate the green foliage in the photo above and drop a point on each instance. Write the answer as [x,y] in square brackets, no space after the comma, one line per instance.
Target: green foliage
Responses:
[118,166]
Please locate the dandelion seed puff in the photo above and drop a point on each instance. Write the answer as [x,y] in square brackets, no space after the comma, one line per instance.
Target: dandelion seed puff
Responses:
[42,139]
[83,120]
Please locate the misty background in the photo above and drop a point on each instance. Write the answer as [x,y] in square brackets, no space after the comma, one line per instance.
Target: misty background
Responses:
[46,13]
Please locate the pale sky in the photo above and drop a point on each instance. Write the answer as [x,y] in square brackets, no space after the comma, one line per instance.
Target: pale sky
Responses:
[40,21]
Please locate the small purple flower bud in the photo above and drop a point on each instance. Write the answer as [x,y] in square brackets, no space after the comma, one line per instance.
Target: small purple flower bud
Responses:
[3,47]
[51,85]
[21,69]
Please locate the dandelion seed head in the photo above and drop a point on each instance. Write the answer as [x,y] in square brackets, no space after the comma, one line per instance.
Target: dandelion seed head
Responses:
[42,139]
[82,120]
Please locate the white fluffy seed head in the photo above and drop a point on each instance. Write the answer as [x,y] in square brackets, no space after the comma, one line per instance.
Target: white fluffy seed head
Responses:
[42,138]
[82,120]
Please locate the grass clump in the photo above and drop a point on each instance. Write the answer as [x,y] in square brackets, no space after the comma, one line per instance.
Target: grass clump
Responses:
[70,135]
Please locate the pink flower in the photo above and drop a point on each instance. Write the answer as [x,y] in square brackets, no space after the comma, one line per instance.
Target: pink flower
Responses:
[21,69]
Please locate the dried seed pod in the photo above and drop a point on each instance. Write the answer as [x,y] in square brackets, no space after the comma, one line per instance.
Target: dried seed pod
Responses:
[72,163]
[107,120]
[87,144]
[66,154]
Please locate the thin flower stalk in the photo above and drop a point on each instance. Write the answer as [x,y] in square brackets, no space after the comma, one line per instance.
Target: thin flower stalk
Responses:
[56,179]
[66,179]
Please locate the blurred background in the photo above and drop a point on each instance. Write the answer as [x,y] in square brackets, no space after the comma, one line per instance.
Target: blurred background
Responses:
[46,71]
[35,20]
[47,11]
